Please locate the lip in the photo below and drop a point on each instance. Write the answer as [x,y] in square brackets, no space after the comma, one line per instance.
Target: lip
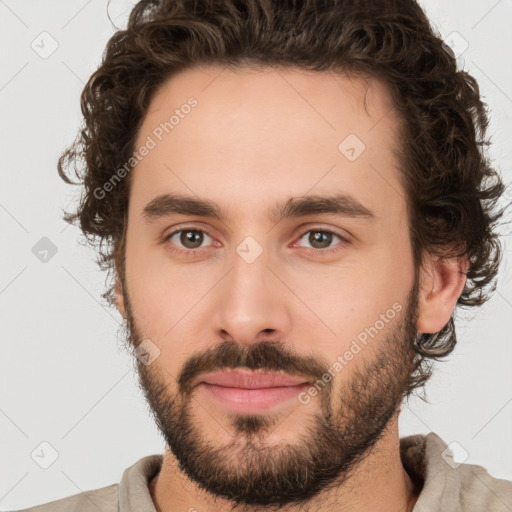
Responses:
[251,380]
[251,392]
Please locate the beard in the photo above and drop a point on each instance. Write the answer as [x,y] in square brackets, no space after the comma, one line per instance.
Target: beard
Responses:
[352,417]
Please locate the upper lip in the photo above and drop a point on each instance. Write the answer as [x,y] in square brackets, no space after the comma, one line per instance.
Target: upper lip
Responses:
[251,380]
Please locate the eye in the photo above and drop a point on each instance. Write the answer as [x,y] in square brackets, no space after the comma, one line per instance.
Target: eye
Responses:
[321,239]
[191,239]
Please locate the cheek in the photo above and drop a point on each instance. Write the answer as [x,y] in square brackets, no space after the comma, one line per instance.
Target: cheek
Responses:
[345,311]
[157,283]
[357,300]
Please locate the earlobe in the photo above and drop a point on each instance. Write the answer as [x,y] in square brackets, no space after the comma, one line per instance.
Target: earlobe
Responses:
[441,283]
[118,291]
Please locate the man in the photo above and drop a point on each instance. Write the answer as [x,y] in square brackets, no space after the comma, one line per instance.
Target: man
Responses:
[294,201]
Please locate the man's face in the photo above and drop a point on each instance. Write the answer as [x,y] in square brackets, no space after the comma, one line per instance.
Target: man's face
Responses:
[315,293]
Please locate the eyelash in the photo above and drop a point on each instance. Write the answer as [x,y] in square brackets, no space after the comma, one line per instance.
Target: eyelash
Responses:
[191,252]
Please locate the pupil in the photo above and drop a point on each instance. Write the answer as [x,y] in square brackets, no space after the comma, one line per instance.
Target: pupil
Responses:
[318,235]
[193,237]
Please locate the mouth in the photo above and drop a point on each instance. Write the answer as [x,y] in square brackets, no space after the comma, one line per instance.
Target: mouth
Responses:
[250,392]
[252,380]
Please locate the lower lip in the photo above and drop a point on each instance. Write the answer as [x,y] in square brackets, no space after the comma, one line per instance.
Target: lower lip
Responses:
[252,400]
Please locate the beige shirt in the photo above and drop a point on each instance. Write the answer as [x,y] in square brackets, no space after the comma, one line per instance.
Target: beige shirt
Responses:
[447,486]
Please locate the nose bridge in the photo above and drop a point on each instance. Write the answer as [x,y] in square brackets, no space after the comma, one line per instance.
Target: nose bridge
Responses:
[250,299]
[249,275]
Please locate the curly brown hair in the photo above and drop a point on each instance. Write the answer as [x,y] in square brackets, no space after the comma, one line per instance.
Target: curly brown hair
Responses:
[452,190]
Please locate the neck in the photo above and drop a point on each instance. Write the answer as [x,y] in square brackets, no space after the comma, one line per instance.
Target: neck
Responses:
[378,482]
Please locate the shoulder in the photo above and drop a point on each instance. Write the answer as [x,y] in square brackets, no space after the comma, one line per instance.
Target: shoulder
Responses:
[131,493]
[448,484]
[104,499]
[478,490]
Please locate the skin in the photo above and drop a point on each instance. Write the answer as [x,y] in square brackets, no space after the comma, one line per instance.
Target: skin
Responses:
[258,137]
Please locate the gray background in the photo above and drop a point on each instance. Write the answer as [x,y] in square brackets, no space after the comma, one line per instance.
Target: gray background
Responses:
[64,378]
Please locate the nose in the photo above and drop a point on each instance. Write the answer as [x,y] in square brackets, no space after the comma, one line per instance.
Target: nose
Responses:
[251,301]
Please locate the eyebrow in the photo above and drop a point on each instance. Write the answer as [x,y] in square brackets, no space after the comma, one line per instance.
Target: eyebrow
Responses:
[345,205]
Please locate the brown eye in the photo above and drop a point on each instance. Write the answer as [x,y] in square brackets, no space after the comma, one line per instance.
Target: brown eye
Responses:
[191,239]
[188,238]
[322,240]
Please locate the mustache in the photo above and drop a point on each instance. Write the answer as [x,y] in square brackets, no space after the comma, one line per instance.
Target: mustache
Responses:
[265,355]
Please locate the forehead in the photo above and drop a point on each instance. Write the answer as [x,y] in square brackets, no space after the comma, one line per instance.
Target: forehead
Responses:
[328,101]
[267,132]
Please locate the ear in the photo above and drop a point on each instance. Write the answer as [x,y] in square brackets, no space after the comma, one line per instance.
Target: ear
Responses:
[118,291]
[441,283]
